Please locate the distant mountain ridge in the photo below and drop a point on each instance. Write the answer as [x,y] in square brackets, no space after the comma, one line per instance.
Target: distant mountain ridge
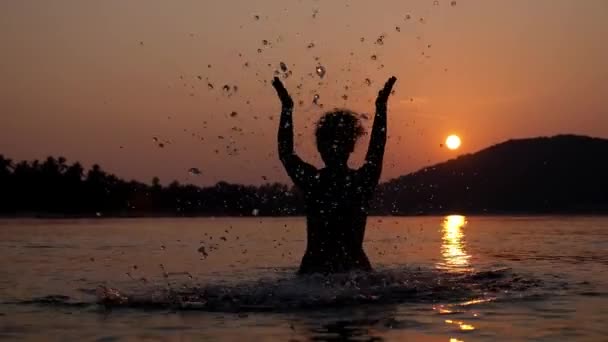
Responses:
[548,175]
[563,173]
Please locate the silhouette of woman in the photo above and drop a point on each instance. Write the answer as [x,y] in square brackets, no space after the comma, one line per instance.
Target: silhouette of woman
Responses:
[337,197]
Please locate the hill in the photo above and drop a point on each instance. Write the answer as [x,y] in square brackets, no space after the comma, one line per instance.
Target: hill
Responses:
[560,174]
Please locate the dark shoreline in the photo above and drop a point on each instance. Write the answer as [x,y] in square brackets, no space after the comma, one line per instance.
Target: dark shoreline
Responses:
[169,216]
[563,175]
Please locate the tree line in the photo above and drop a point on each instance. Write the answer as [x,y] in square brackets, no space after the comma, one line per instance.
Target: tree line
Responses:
[560,174]
[55,188]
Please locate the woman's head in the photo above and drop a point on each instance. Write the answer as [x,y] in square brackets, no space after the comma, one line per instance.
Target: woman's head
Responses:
[337,132]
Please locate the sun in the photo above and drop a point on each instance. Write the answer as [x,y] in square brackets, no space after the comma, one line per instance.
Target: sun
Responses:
[452,142]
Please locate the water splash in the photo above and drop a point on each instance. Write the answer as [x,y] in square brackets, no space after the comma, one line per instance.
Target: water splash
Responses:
[287,292]
[320,70]
[194,171]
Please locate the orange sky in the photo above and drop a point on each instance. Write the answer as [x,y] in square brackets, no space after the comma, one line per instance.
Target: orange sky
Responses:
[77,80]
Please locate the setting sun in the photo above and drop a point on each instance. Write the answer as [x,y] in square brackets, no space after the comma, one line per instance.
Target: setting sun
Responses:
[452,142]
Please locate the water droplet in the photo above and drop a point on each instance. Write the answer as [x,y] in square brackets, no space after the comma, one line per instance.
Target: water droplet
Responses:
[226,88]
[234,114]
[194,171]
[344,97]
[408,17]
[320,71]
[362,39]
[316,98]
[155,139]
[256,17]
[265,42]
[435,3]
[368,82]
[421,20]
[311,45]
[374,57]
[453,3]
[283,66]
[259,50]
[398,29]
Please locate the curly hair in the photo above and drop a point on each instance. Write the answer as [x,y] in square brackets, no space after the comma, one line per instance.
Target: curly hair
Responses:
[339,130]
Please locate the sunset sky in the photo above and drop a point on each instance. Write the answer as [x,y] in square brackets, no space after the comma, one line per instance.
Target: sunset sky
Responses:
[97,81]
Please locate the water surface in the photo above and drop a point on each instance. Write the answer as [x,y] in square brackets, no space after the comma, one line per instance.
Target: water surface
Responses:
[437,279]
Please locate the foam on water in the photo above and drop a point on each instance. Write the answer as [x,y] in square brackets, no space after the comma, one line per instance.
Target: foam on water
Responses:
[389,286]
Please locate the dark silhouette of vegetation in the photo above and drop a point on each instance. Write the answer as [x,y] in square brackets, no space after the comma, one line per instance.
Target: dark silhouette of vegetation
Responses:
[54,188]
[561,174]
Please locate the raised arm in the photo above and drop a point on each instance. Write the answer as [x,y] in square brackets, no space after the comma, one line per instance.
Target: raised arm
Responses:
[375,151]
[285,136]
[300,172]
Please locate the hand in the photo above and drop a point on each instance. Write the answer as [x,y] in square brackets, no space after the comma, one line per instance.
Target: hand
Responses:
[286,100]
[383,95]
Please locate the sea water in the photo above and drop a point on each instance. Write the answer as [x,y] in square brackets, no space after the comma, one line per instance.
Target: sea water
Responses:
[445,278]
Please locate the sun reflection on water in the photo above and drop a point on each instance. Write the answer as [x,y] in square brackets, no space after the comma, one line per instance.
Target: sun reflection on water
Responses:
[455,257]
[461,325]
